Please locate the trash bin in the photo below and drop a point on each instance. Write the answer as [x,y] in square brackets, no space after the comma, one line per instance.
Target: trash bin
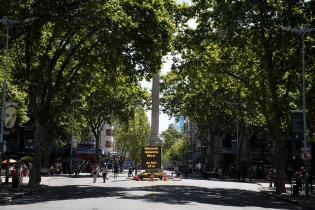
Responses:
[295,189]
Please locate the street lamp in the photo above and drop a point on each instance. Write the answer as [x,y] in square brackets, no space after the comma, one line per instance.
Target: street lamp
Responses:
[7,22]
[238,158]
[302,32]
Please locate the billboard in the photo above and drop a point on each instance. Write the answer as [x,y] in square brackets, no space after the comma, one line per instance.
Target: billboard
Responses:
[151,157]
[10,133]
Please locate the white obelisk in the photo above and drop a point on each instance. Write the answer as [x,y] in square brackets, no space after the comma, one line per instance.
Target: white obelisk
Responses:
[154,136]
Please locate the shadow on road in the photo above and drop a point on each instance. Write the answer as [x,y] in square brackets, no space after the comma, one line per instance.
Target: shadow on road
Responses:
[169,194]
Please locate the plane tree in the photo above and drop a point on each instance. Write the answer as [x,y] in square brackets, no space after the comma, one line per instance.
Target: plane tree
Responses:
[255,61]
[54,53]
[131,135]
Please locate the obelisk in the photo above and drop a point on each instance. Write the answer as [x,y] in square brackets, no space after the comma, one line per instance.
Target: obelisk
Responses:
[154,136]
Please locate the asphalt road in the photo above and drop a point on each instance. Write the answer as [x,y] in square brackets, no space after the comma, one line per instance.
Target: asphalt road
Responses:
[64,192]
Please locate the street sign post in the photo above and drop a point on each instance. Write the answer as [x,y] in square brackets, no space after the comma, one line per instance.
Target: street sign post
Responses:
[306,154]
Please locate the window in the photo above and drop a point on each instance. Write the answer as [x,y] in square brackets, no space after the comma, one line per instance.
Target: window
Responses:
[108,132]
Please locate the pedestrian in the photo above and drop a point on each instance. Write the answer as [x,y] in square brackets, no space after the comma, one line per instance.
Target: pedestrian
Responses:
[116,171]
[290,175]
[130,171]
[298,180]
[310,181]
[95,171]
[270,177]
[136,168]
[104,172]
[30,166]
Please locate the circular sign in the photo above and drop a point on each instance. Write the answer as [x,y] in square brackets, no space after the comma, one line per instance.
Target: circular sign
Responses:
[306,156]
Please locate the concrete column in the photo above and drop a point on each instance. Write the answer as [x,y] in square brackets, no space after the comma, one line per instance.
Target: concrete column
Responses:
[154,136]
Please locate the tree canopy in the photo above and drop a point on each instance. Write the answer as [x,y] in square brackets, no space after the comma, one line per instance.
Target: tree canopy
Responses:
[239,54]
[65,51]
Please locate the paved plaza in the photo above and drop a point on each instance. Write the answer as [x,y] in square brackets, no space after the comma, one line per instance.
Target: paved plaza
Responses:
[65,192]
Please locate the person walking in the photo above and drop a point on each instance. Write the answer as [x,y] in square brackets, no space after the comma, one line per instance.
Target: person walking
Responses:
[136,169]
[130,170]
[95,171]
[270,177]
[116,171]
[104,172]
[298,180]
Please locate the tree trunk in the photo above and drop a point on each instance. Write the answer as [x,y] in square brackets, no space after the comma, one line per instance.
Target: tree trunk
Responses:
[41,148]
[97,139]
[211,146]
[35,177]
[278,156]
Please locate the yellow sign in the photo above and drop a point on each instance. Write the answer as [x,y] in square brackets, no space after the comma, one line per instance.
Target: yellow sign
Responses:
[151,157]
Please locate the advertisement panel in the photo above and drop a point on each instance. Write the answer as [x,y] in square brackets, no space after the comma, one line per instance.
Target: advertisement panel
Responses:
[151,157]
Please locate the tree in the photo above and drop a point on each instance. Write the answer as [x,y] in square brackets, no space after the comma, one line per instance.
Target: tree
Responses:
[115,99]
[175,147]
[239,52]
[54,53]
[130,136]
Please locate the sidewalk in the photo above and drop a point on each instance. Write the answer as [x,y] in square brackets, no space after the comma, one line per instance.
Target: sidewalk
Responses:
[7,193]
[300,199]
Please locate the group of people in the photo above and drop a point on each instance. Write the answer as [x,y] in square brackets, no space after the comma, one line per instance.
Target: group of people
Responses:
[299,177]
[18,172]
[55,168]
[96,169]
[131,169]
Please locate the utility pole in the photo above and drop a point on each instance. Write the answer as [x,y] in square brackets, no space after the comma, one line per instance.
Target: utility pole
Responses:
[302,32]
[238,149]
[7,22]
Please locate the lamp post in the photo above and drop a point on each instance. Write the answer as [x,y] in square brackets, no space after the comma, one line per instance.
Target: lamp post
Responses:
[302,32]
[72,135]
[237,104]
[238,158]
[7,22]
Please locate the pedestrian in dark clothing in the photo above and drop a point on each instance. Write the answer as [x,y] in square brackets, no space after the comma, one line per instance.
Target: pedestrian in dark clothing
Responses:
[310,181]
[298,180]
[290,175]
[116,171]
[104,173]
[136,169]
[270,177]
[130,171]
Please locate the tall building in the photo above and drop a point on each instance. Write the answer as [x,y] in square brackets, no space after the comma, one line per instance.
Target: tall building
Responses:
[86,149]
[107,140]
[179,123]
